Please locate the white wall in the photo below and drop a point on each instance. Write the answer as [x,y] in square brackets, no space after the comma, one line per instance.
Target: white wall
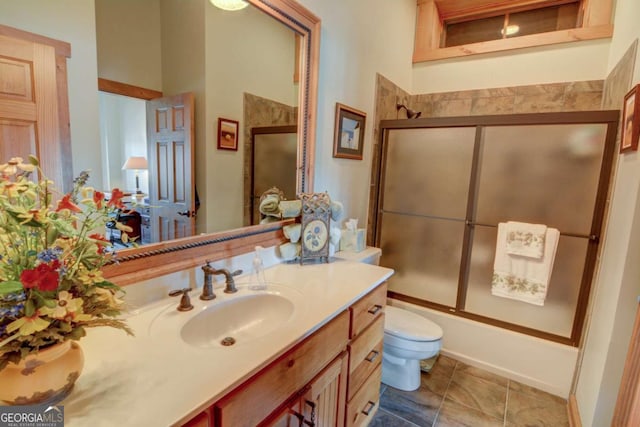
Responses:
[614,302]
[549,64]
[246,51]
[359,39]
[128,36]
[72,21]
[123,133]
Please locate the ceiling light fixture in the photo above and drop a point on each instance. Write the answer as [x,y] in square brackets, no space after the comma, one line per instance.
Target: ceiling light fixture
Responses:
[229,4]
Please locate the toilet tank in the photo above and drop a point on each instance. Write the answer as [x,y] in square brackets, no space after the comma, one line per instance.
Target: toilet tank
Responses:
[369,255]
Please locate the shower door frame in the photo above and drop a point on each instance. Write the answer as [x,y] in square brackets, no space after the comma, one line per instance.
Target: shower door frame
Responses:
[607,117]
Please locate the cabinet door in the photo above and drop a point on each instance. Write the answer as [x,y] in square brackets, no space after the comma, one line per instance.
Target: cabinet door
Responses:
[290,416]
[324,403]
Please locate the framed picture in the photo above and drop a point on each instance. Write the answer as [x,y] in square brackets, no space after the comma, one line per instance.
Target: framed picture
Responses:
[348,137]
[227,134]
[631,121]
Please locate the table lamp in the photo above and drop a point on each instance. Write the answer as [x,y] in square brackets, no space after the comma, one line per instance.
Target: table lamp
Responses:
[136,163]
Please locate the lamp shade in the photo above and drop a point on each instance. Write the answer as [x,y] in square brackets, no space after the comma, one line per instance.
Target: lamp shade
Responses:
[229,4]
[135,162]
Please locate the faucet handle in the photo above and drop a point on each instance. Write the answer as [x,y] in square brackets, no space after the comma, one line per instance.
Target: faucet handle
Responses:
[185,301]
[237,272]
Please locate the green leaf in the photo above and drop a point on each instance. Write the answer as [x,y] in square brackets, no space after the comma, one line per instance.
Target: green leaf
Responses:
[33,160]
[77,333]
[29,308]
[9,287]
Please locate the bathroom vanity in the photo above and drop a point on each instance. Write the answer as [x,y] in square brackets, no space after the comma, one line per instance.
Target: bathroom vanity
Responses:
[321,364]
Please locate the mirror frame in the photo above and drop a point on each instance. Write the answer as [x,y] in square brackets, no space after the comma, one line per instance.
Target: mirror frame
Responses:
[133,265]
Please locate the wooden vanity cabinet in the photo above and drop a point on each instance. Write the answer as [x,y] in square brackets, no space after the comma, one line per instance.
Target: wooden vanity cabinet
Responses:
[365,357]
[331,379]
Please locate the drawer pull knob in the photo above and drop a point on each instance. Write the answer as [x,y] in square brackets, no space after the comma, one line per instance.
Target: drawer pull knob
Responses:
[375,309]
[373,355]
[369,408]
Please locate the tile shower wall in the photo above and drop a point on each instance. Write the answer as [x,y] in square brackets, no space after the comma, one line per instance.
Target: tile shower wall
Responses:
[259,112]
[542,98]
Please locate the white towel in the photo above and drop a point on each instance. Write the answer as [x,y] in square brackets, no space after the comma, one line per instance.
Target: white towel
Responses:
[525,239]
[521,278]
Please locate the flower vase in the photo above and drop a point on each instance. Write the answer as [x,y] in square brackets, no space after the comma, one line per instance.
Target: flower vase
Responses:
[46,377]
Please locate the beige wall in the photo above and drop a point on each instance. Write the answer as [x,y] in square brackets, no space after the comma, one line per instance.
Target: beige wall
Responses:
[359,39]
[72,21]
[566,62]
[128,36]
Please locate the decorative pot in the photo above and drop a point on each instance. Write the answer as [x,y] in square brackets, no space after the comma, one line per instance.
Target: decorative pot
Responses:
[46,377]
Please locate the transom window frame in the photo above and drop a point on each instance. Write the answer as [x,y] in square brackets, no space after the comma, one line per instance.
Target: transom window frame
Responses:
[595,23]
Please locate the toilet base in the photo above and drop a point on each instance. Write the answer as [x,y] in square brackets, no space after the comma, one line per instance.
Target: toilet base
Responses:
[405,376]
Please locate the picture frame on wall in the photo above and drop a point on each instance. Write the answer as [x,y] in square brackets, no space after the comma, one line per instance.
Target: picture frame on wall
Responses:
[348,138]
[227,134]
[630,121]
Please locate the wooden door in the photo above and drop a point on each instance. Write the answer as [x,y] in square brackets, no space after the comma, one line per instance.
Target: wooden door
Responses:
[29,111]
[170,150]
[325,402]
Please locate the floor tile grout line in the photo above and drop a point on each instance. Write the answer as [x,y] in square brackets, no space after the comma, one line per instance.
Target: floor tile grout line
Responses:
[399,417]
[506,403]
[444,395]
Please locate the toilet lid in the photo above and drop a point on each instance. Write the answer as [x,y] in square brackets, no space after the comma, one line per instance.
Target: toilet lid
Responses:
[411,326]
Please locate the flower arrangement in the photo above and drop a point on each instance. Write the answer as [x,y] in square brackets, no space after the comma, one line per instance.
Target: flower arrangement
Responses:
[51,284]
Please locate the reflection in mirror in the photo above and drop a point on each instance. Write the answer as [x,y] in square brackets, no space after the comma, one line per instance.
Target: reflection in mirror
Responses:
[274,156]
[233,86]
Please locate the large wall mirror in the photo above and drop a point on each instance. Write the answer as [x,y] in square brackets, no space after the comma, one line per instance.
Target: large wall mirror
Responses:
[257,66]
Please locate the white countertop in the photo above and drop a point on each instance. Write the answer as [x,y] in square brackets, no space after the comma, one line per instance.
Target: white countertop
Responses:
[156,379]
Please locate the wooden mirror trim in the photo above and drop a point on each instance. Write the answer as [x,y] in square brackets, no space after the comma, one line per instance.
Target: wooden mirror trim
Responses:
[157,259]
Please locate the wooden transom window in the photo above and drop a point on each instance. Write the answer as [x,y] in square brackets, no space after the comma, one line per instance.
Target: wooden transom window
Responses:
[453,28]
[511,24]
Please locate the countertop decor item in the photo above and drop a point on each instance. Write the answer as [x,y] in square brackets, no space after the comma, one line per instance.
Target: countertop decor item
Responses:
[51,284]
[316,217]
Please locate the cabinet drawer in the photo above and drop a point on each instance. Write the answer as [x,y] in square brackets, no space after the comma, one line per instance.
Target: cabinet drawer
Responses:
[253,401]
[365,355]
[363,406]
[368,309]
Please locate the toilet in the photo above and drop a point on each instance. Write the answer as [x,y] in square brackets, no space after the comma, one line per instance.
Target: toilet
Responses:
[408,337]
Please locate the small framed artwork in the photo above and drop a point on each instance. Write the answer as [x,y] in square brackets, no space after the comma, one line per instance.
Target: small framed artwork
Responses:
[227,134]
[348,138]
[631,121]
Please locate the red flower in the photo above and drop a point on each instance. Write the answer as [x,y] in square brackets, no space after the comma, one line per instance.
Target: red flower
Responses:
[101,238]
[44,277]
[98,197]
[29,278]
[66,203]
[116,199]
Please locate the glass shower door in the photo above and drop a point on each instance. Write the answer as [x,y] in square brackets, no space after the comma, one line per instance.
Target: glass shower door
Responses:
[425,188]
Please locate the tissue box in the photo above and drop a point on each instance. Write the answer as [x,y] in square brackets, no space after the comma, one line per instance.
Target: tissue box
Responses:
[353,241]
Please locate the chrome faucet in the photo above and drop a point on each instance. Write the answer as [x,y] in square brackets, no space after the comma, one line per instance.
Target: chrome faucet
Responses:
[209,272]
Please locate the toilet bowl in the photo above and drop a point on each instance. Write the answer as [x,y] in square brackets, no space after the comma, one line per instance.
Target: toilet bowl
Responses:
[408,338]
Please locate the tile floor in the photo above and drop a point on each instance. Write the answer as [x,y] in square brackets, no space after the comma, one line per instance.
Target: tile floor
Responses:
[456,394]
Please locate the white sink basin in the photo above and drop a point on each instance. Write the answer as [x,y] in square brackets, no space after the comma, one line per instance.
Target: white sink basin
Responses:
[237,320]
[230,320]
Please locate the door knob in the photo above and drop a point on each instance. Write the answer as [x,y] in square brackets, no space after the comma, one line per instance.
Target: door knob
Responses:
[187,213]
